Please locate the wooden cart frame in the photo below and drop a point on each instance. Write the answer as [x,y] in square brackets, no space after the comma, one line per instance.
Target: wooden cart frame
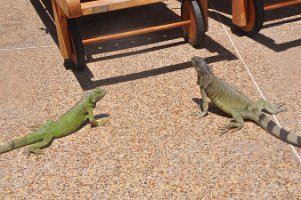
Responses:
[249,14]
[194,20]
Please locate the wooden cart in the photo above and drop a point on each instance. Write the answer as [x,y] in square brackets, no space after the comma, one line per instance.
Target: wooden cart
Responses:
[193,20]
[249,14]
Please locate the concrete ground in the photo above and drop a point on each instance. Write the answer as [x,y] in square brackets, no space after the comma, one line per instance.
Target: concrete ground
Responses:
[154,147]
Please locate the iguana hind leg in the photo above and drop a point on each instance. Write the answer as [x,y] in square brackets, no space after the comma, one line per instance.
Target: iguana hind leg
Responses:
[273,109]
[236,124]
[35,148]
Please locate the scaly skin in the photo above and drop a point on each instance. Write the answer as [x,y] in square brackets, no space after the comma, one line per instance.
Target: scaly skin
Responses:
[65,125]
[236,104]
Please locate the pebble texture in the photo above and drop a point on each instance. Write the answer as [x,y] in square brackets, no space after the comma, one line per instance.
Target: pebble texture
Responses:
[153,148]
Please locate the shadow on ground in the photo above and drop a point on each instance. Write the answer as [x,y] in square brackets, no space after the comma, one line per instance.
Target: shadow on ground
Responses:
[85,76]
[212,109]
[124,20]
[220,10]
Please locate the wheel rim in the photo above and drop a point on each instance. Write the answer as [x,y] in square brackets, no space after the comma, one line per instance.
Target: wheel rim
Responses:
[250,17]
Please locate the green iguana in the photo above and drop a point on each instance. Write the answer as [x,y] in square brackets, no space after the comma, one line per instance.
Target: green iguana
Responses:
[236,104]
[65,125]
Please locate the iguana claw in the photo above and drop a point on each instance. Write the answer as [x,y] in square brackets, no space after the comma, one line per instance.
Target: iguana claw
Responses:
[224,129]
[34,151]
[279,108]
[200,114]
[234,127]
[279,105]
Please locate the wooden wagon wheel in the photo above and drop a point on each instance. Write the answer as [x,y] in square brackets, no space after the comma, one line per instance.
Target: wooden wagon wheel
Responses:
[194,33]
[78,51]
[255,17]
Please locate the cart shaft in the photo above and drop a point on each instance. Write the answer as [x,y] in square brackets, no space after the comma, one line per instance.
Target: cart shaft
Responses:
[136,32]
[281,5]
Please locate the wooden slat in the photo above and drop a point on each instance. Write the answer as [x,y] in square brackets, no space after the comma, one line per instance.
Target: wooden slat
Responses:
[71,8]
[136,32]
[281,4]
[100,6]
[62,30]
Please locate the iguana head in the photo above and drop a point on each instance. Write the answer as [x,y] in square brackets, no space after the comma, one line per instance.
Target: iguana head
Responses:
[203,70]
[200,65]
[95,95]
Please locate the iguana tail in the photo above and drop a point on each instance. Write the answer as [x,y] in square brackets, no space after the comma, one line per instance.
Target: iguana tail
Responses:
[269,125]
[21,142]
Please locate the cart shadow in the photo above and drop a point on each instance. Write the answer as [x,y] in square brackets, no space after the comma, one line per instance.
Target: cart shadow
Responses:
[85,76]
[44,10]
[220,11]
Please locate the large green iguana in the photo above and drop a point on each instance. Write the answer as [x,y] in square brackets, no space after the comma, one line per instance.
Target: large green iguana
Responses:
[65,125]
[236,104]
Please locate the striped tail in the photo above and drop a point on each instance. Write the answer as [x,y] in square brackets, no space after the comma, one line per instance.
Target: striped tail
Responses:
[8,147]
[21,142]
[266,123]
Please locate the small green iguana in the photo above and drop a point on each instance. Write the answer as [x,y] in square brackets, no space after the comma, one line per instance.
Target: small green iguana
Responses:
[236,104]
[65,125]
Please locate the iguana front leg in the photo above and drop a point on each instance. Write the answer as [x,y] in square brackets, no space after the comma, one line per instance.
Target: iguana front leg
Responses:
[236,124]
[262,104]
[93,121]
[204,106]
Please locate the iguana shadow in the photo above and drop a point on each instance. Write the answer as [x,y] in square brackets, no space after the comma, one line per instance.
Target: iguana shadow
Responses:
[212,108]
